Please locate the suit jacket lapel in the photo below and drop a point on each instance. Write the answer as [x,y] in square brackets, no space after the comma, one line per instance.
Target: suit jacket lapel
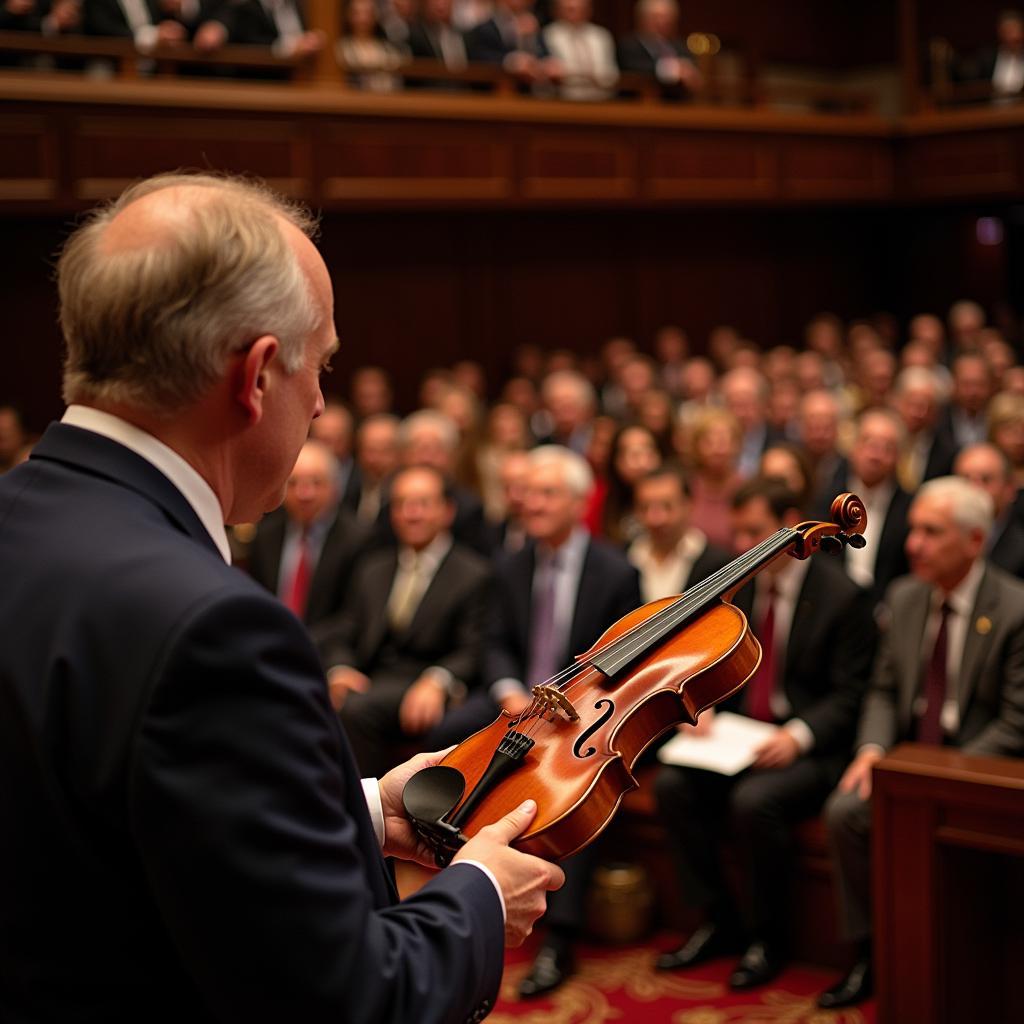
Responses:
[908,648]
[985,604]
[436,585]
[378,586]
[585,611]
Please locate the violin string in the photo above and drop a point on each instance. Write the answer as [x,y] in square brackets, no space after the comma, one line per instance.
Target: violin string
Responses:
[636,639]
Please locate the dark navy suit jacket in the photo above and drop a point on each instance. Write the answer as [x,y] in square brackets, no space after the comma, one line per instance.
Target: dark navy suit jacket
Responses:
[184,832]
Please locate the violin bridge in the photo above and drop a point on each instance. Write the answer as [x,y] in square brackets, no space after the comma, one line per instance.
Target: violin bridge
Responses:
[554,701]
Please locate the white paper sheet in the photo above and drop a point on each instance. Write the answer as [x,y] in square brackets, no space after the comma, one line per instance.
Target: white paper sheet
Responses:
[727,749]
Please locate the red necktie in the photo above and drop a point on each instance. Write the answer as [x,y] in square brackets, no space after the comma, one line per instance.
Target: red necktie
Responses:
[762,686]
[298,589]
[929,726]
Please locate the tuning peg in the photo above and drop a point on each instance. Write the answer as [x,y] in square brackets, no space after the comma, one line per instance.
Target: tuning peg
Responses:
[856,541]
[831,545]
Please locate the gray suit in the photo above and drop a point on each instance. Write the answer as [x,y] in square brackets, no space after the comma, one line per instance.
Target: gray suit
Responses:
[990,698]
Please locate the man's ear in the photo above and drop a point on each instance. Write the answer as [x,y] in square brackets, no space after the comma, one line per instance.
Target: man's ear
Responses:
[253,377]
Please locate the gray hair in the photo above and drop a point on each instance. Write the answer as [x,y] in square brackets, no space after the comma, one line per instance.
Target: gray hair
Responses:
[430,419]
[579,477]
[585,394]
[972,507]
[154,324]
[918,378]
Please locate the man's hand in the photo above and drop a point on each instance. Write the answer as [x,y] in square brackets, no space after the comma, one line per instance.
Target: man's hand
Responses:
[858,775]
[170,33]
[210,36]
[525,880]
[422,706]
[778,751]
[400,838]
[516,703]
[343,681]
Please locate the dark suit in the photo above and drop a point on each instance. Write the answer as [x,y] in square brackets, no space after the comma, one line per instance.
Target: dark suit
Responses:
[640,54]
[249,22]
[1006,545]
[990,699]
[487,43]
[890,558]
[185,836]
[828,658]
[329,584]
[446,631]
[107,18]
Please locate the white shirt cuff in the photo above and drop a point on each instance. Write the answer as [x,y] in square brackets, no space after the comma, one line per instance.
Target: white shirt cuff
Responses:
[507,687]
[146,38]
[452,687]
[371,790]
[494,882]
[801,733]
[877,747]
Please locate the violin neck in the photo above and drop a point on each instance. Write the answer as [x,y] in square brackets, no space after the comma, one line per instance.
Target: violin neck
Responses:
[617,655]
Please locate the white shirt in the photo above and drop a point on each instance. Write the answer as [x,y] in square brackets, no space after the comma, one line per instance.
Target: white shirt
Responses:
[587,53]
[860,562]
[788,583]
[200,496]
[316,534]
[1008,73]
[664,577]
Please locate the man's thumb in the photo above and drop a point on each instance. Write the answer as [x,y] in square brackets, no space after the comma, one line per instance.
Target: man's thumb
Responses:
[504,830]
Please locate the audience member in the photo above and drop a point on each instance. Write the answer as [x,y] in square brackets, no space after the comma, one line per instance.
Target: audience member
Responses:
[870,473]
[507,432]
[950,671]
[964,421]
[410,637]
[745,395]
[656,413]
[671,348]
[817,636]
[787,462]
[714,477]
[655,49]
[371,392]
[395,22]
[570,403]
[510,530]
[985,466]
[370,62]
[279,25]
[585,51]
[670,553]
[634,454]
[927,452]
[334,428]
[512,38]
[305,551]
[966,321]
[48,17]
[818,428]
[433,36]
[378,455]
[148,22]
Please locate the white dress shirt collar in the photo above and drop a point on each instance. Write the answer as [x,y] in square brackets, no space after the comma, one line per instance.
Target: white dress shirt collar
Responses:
[195,490]
[430,557]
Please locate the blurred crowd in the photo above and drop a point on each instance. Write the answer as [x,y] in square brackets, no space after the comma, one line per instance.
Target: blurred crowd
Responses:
[549,49]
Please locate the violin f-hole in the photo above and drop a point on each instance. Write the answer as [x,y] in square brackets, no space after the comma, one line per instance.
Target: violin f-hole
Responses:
[592,728]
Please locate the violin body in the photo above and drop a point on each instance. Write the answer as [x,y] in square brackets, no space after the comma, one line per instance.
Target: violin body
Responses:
[583,768]
[574,748]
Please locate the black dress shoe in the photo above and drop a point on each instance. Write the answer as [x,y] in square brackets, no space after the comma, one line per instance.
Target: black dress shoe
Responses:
[759,965]
[857,986]
[706,943]
[553,964]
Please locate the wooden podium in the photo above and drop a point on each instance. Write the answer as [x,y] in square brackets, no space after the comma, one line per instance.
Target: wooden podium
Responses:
[948,874]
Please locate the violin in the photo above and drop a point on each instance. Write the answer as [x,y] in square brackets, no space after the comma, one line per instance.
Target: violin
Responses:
[573,749]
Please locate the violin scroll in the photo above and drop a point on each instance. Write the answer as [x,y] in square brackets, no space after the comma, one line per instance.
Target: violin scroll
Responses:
[849,519]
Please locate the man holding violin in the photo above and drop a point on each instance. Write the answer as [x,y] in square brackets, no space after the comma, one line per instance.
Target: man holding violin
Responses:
[818,637]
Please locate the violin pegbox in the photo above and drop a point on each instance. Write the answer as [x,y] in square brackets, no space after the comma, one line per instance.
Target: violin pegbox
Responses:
[849,520]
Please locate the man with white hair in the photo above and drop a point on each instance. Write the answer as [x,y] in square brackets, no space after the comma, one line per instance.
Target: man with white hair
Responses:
[187,836]
[745,395]
[553,599]
[927,453]
[950,671]
[571,405]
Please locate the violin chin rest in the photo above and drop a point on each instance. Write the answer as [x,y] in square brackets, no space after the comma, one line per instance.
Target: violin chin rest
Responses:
[430,794]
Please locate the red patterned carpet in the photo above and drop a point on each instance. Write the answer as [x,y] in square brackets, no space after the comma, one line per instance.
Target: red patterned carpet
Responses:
[619,985]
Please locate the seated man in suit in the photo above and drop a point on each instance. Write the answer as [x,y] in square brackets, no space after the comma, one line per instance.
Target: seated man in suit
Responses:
[670,555]
[817,636]
[279,24]
[927,453]
[187,806]
[870,473]
[148,22]
[335,429]
[656,49]
[305,550]
[512,39]
[377,456]
[950,670]
[553,599]
[433,37]
[965,420]
[410,636]
[585,50]
[985,466]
